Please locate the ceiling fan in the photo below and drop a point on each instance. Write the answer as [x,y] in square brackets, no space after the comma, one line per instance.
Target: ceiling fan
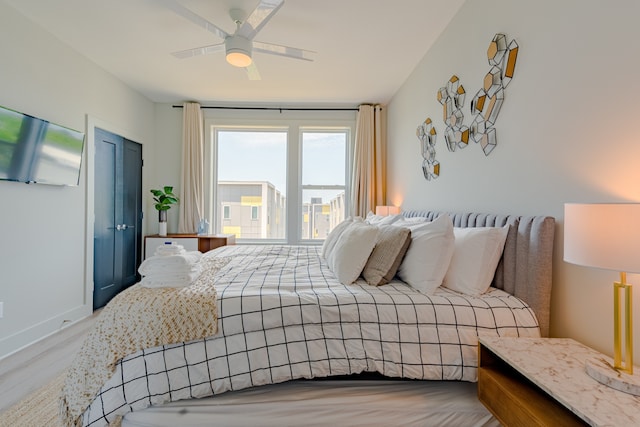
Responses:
[240,45]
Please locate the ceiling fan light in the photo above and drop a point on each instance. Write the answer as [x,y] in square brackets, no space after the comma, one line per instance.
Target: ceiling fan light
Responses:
[238,51]
[238,59]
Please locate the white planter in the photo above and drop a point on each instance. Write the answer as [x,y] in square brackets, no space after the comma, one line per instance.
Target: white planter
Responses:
[162,228]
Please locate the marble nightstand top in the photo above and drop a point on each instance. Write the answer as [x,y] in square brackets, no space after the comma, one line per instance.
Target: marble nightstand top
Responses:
[557,365]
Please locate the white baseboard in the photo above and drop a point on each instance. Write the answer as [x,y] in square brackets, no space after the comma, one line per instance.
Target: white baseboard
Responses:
[39,331]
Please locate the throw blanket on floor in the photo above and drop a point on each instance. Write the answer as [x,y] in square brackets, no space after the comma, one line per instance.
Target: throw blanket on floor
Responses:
[136,319]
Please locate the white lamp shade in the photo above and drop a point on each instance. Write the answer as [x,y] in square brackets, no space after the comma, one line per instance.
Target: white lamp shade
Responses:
[387,210]
[603,235]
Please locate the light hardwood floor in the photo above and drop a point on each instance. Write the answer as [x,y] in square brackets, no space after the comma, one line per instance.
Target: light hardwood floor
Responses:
[25,371]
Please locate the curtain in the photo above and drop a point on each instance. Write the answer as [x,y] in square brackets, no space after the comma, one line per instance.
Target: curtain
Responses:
[192,183]
[368,182]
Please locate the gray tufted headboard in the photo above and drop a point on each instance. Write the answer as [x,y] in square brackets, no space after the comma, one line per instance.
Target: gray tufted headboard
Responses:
[525,267]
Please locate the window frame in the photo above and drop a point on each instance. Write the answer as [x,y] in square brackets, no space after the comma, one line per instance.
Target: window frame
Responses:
[294,123]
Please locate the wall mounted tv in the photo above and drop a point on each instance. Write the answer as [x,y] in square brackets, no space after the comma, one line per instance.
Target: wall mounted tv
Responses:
[33,150]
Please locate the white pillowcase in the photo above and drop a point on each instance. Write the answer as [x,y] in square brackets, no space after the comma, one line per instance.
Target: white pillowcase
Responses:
[406,222]
[427,259]
[352,250]
[333,236]
[475,258]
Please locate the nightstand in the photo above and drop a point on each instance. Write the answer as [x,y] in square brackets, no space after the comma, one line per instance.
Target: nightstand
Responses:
[543,382]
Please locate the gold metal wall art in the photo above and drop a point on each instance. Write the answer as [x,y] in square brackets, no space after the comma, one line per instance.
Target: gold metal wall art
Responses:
[485,108]
[487,102]
[452,98]
[427,135]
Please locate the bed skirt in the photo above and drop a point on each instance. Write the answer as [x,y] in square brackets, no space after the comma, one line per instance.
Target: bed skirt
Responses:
[328,402]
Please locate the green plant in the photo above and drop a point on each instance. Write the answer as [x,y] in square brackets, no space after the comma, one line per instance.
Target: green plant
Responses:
[164,198]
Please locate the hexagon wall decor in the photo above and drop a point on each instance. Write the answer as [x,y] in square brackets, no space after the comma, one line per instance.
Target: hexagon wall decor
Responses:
[485,108]
[452,99]
[426,133]
[486,104]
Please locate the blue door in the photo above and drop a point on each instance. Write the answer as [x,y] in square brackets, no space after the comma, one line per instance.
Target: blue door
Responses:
[118,215]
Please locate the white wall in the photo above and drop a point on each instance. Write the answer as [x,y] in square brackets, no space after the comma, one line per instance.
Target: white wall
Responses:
[167,163]
[43,231]
[567,131]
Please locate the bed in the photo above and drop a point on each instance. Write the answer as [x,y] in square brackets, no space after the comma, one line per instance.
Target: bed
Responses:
[289,331]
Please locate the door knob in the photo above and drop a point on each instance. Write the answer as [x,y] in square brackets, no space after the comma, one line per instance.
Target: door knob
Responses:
[122,227]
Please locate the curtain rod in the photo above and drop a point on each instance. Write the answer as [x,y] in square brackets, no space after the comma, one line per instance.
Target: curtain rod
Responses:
[273,108]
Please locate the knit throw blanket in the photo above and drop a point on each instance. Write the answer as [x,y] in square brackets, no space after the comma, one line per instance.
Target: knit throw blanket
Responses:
[135,319]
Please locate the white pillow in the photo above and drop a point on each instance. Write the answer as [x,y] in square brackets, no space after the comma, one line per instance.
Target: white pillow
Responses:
[427,259]
[475,258]
[374,219]
[332,237]
[352,250]
[414,220]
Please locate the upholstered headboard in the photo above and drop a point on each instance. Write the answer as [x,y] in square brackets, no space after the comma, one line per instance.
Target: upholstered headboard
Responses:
[526,266]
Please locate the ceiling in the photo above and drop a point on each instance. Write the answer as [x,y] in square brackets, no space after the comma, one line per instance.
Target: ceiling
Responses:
[364,49]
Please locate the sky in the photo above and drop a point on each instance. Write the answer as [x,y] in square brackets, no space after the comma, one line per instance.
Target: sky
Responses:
[262,156]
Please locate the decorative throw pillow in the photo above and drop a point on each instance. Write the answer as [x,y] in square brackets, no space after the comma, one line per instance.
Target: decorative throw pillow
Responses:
[383,263]
[352,250]
[332,237]
[429,254]
[475,258]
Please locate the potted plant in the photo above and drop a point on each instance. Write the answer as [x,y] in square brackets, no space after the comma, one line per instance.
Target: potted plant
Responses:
[163,200]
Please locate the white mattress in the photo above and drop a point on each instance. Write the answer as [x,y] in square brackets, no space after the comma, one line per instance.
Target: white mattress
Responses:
[325,403]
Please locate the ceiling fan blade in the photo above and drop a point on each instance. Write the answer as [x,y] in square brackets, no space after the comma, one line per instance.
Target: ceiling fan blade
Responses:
[275,49]
[252,72]
[259,17]
[197,51]
[195,18]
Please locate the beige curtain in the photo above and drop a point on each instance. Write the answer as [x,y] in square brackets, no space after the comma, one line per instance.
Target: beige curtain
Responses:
[368,183]
[192,183]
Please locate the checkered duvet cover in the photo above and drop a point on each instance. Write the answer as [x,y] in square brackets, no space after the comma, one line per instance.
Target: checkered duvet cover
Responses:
[283,315]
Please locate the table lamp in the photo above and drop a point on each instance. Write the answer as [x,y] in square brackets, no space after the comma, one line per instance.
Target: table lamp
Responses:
[387,210]
[607,236]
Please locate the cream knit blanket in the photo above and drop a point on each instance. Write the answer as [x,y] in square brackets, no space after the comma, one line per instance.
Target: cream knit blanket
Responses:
[135,319]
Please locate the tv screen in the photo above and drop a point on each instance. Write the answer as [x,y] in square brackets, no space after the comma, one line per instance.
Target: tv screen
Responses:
[33,150]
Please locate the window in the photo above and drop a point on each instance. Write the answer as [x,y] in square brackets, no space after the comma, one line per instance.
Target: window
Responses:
[252,177]
[323,181]
[281,182]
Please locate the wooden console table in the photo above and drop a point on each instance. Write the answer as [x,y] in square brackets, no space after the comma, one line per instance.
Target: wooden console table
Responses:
[191,242]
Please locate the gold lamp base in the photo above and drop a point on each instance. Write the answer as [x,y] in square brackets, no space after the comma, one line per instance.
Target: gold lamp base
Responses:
[618,372]
[602,370]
